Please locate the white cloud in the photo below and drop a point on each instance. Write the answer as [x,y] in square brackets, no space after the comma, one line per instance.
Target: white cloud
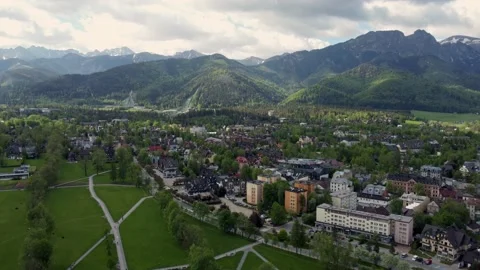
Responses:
[236,28]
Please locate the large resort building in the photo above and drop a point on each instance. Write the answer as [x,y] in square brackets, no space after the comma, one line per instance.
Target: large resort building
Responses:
[352,222]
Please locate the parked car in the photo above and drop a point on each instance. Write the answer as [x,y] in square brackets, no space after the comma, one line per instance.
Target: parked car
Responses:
[428,261]
[404,255]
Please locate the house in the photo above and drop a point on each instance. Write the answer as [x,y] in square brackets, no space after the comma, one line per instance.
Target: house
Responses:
[470,167]
[473,227]
[198,131]
[470,257]
[433,208]
[414,146]
[378,190]
[338,184]
[242,161]
[431,171]
[448,192]
[449,243]
[168,166]
[406,182]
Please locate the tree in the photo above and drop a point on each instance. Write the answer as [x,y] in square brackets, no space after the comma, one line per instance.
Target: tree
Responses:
[278,214]
[99,158]
[164,198]
[113,172]
[201,258]
[332,254]
[419,189]
[376,242]
[402,266]
[309,219]
[303,203]
[282,235]
[225,220]
[256,219]
[134,173]
[389,260]
[200,209]
[246,173]
[37,250]
[124,159]
[396,206]
[452,212]
[419,222]
[143,158]
[298,239]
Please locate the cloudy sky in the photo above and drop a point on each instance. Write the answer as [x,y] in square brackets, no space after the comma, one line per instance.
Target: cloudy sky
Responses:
[235,28]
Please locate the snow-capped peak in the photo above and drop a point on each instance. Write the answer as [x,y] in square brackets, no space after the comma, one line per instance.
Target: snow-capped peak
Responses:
[112,52]
[461,39]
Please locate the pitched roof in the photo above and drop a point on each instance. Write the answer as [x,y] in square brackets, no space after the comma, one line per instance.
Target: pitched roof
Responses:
[455,236]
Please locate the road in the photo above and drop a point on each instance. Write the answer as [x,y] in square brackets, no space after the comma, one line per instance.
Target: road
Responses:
[115,230]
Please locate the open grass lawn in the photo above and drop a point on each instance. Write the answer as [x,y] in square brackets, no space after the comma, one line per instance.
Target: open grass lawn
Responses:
[286,260]
[102,179]
[97,259]
[218,241]
[252,262]
[147,242]
[35,162]
[78,224]
[446,117]
[13,227]
[119,199]
[230,262]
[73,171]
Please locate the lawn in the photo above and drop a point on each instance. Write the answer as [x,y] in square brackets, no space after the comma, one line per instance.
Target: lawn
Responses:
[230,262]
[446,117]
[119,199]
[146,241]
[252,262]
[78,221]
[286,260]
[73,171]
[97,259]
[148,244]
[102,179]
[13,227]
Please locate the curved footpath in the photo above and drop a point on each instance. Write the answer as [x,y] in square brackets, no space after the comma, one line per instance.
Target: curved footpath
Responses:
[115,230]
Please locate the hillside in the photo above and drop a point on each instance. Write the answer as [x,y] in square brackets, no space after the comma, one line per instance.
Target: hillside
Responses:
[372,86]
[209,81]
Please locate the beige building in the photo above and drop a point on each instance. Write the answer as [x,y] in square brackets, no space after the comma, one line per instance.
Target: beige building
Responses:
[344,199]
[392,227]
[269,178]
[293,200]
[254,192]
[415,202]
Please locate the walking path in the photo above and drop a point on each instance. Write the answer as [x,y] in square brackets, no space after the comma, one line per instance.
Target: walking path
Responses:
[116,232]
[242,260]
[122,219]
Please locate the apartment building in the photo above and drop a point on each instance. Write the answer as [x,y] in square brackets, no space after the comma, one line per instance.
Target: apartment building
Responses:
[270,178]
[309,186]
[344,199]
[390,228]
[338,184]
[295,198]
[406,182]
[415,202]
[254,192]
[431,171]
[372,200]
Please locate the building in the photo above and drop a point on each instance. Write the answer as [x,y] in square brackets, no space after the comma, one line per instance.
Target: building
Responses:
[254,192]
[371,189]
[433,208]
[293,200]
[198,131]
[431,171]
[270,178]
[338,184]
[353,222]
[344,199]
[406,182]
[309,186]
[415,202]
[342,174]
[372,200]
[449,243]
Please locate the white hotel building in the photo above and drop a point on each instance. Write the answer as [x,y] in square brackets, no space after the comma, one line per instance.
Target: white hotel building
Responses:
[391,227]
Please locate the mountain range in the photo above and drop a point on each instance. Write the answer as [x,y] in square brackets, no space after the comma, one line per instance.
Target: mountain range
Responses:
[382,69]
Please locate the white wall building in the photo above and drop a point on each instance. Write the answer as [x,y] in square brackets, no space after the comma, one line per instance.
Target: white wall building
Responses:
[372,200]
[339,184]
[344,199]
[395,227]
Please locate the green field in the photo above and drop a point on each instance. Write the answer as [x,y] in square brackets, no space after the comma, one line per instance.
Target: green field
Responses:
[148,244]
[97,259]
[446,117]
[230,262]
[285,260]
[119,199]
[102,179]
[252,262]
[73,171]
[13,227]
[78,224]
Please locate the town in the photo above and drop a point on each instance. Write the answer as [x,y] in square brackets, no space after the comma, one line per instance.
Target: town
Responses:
[280,188]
